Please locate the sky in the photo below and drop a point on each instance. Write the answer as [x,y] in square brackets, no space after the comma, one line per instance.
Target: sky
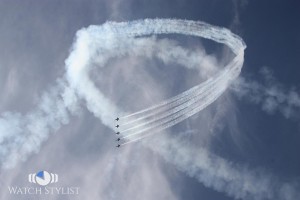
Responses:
[242,146]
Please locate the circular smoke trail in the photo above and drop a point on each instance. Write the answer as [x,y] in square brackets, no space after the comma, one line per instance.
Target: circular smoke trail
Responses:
[114,39]
[21,135]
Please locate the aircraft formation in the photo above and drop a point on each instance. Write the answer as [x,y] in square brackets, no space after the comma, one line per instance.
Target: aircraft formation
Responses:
[117,126]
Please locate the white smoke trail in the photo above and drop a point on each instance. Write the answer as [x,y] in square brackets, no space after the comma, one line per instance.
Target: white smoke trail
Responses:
[212,171]
[238,181]
[112,36]
[22,135]
[176,112]
[172,102]
[269,94]
[104,42]
[89,43]
[181,99]
[211,92]
[181,115]
[187,109]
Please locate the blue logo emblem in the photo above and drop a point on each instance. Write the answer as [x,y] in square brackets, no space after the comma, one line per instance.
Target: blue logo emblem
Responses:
[43,178]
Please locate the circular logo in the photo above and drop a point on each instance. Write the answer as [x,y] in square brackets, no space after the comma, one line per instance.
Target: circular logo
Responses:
[43,178]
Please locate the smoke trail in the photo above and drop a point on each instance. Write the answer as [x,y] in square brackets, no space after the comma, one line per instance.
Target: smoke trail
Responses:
[22,135]
[236,180]
[181,99]
[212,171]
[270,94]
[192,106]
[116,39]
[179,111]
[179,116]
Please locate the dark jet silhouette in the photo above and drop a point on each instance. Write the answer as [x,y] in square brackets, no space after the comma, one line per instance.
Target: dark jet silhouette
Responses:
[117,119]
[118,146]
[117,126]
[117,133]
[118,139]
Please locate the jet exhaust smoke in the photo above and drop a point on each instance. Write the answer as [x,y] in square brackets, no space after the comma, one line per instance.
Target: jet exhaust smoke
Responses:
[22,135]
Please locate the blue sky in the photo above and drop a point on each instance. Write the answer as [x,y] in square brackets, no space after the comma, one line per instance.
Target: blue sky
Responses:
[251,127]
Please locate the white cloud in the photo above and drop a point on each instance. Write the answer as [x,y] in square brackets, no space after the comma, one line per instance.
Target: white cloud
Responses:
[269,93]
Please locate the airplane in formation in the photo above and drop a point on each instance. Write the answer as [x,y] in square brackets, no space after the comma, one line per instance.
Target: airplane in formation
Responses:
[117,126]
